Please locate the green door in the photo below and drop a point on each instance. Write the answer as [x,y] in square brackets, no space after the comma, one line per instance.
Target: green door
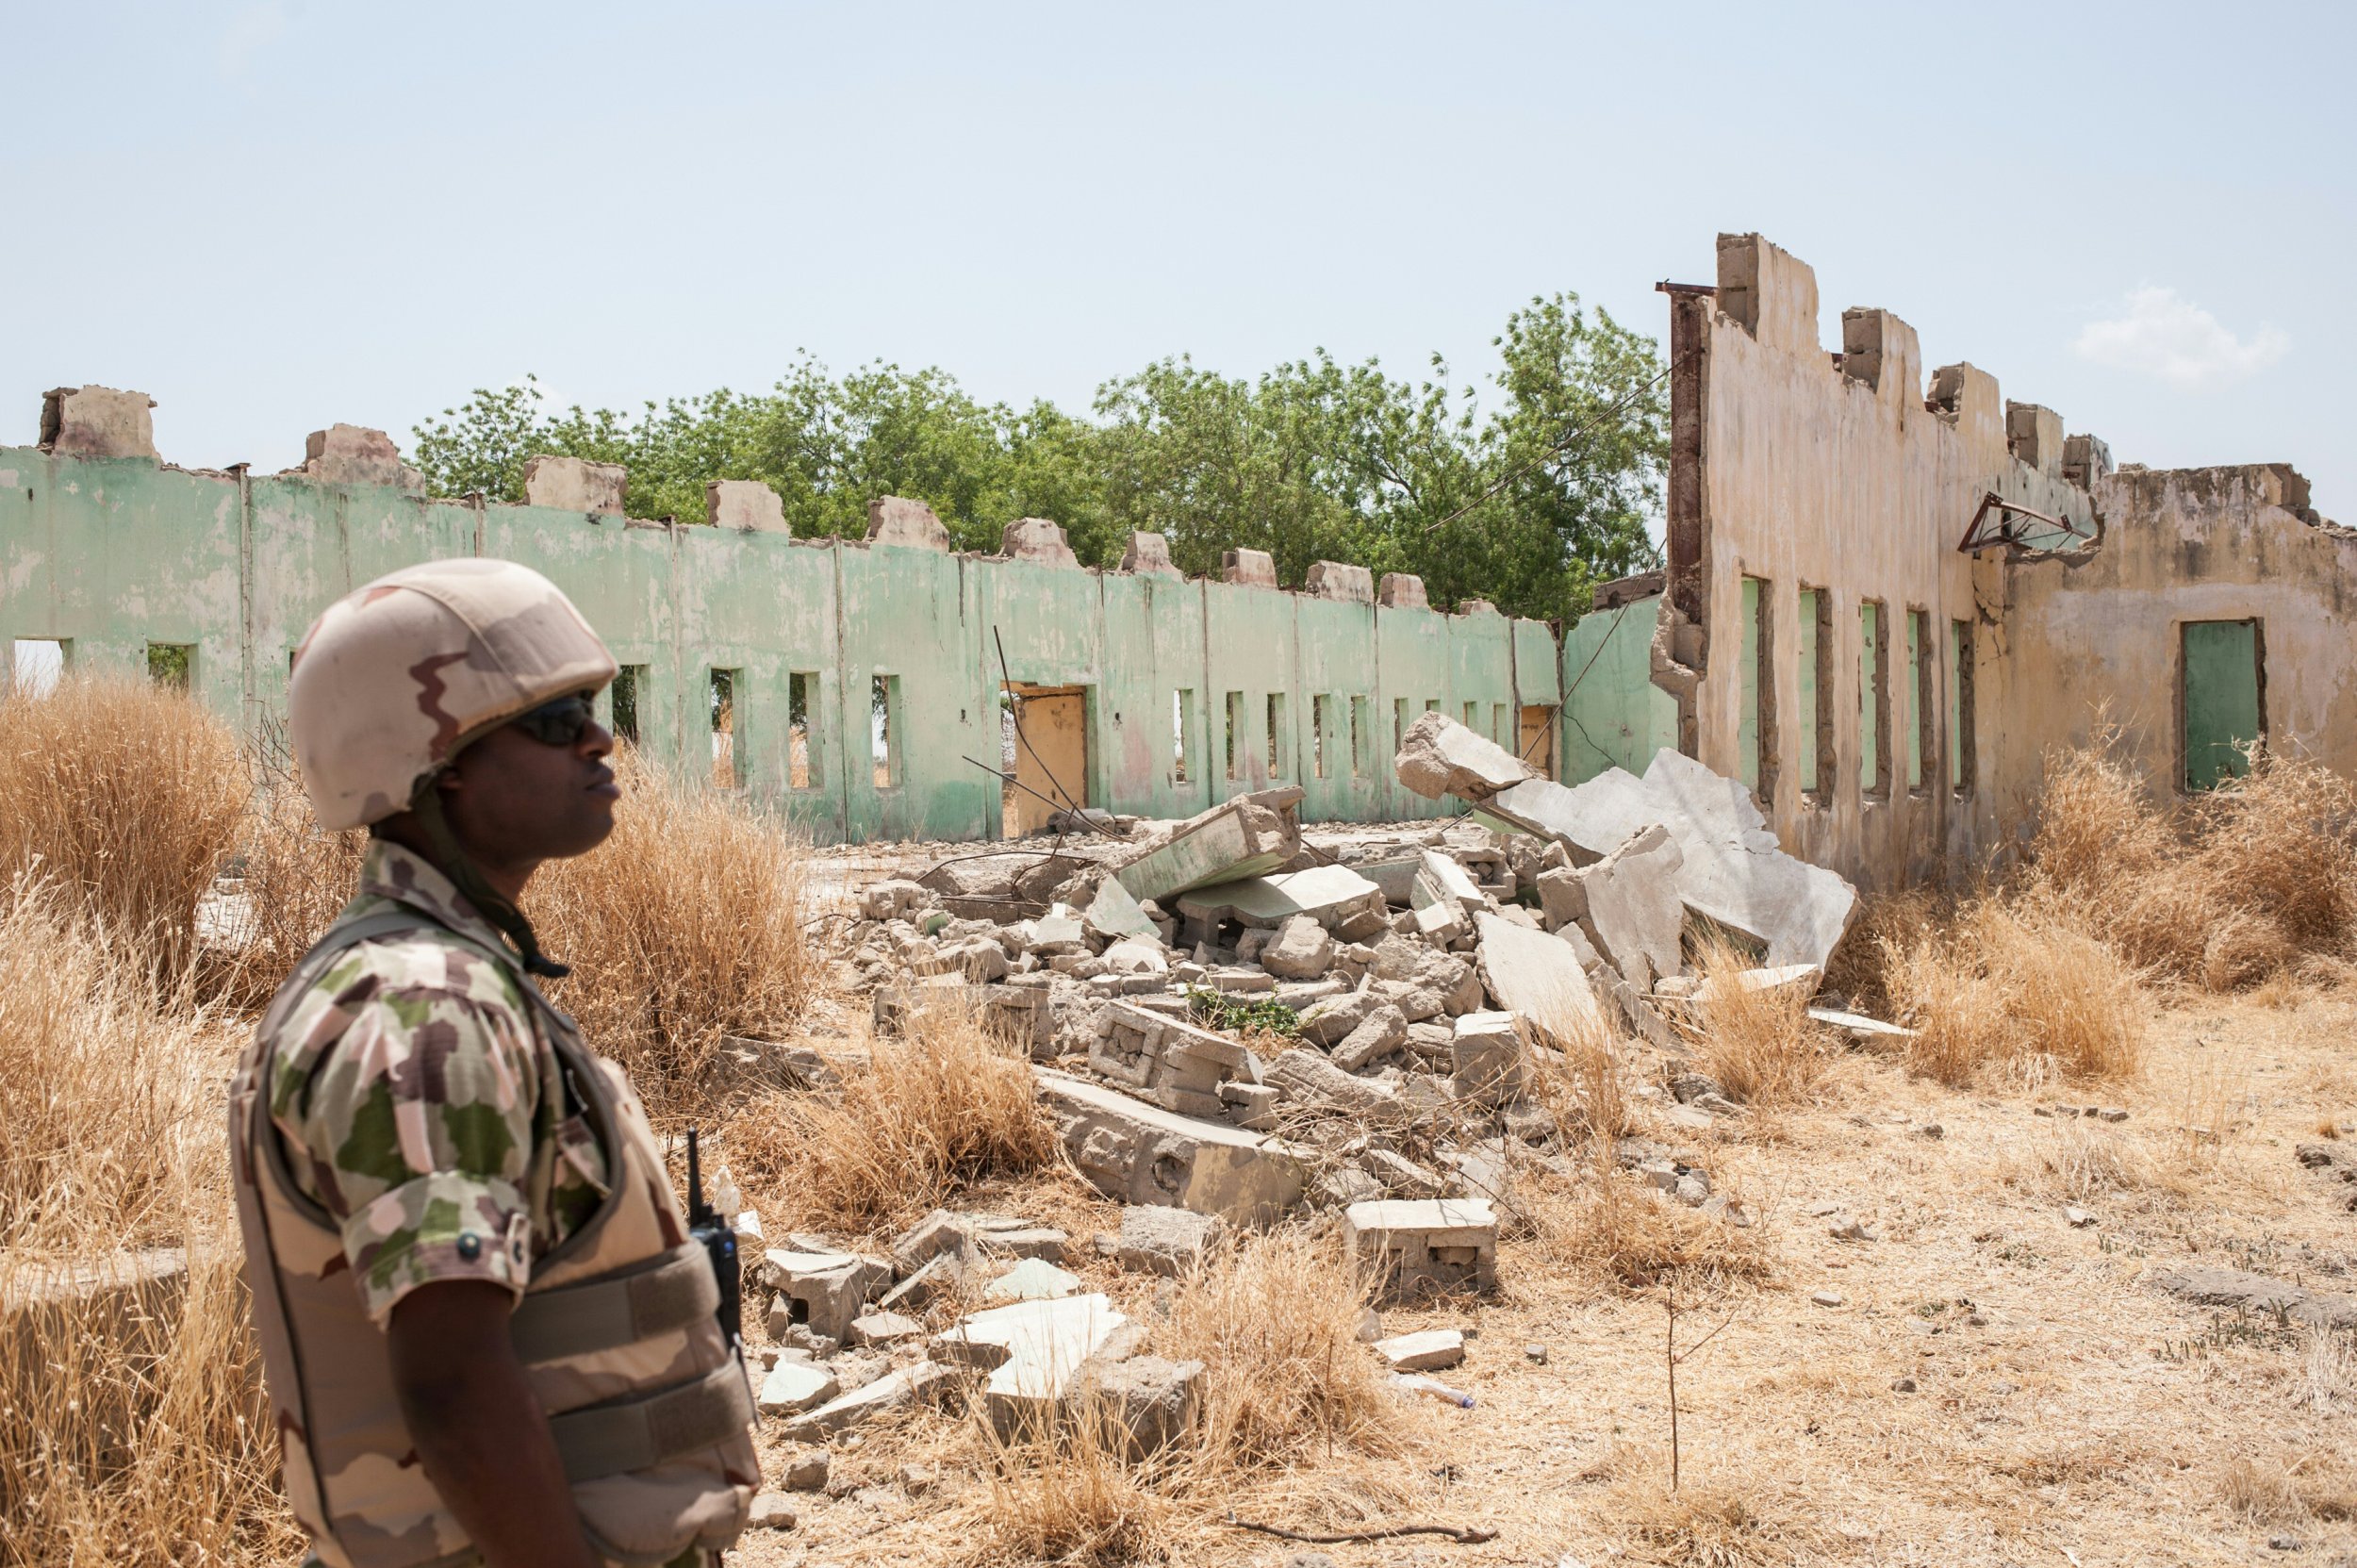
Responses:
[2221,700]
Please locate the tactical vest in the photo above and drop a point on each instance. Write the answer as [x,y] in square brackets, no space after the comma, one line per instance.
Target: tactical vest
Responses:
[648,1402]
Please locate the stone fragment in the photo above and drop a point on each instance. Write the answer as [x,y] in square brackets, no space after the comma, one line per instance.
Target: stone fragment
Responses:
[1246,835]
[1139,1153]
[1826,1298]
[1538,977]
[1534,1354]
[1328,1023]
[824,1290]
[353,455]
[1430,1350]
[890,898]
[1803,978]
[1112,913]
[1307,1078]
[1859,1029]
[882,1329]
[97,421]
[747,505]
[1634,913]
[1302,949]
[805,1470]
[1039,541]
[2076,1217]
[574,484]
[1033,1351]
[1399,1175]
[1252,1105]
[1250,567]
[1407,1247]
[1329,895]
[1333,580]
[1563,898]
[1405,961]
[1486,1057]
[1401,590]
[1439,756]
[793,1386]
[1383,1032]
[771,1510]
[906,525]
[955,1235]
[1159,1239]
[891,1392]
[931,1280]
[1032,1280]
[1154,1402]
[1149,552]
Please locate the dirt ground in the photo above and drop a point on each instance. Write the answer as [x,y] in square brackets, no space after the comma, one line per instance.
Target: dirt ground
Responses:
[1992,1385]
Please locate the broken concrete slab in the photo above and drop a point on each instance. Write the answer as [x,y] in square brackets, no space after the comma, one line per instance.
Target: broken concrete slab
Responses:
[891,1392]
[1734,872]
[1302,949]
[1801,977]
[2258,1292]
[1167,1061]
[1430,1350]
[1033,1351]
[1860,1029]
[882,1327]
[1439,756]
[1537,976]
[1486,1057]
[1382,1032]
[1141,1153]
[1309,1080]
[1032,1280]
[1327,1023]
[1154,1403]
[793,1386]
[1405,961]
[824,1290]
[1113,913]
[908,524]
[1246,836]
[1410,1247]
[1449,878]
[1327,893]
[1159,1239]
[1636,911]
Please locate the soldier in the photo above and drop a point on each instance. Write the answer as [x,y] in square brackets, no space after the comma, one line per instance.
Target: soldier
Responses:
[487,1335]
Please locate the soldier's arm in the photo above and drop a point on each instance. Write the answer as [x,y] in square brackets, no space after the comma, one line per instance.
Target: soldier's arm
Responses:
[478,1428]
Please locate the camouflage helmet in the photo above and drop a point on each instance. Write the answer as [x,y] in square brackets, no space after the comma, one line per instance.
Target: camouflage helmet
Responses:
[394,679]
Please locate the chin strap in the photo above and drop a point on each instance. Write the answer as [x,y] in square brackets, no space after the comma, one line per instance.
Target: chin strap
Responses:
[489,901]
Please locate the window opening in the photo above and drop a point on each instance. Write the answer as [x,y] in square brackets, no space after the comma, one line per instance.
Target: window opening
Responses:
[1181,721]
[172,665]
[1536,739]
[2221,700]
[1320,718]
[1472,716]
[1755,742]
[727,753]
[1873,691]
[1922,742]
[1816,683]
[883,730]
[1962,763]
[628,682]
[802,689]
[1359,731]
[1278,734]
[1235,729]
[37,664]
[1399,723]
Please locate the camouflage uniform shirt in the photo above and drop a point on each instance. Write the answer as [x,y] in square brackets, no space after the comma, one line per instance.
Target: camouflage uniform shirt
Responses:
[420,1105]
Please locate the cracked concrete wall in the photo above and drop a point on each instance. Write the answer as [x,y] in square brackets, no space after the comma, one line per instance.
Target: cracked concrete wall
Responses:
[109,554]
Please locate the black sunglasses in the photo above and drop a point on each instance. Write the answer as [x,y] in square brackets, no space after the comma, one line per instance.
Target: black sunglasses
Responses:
[557,723]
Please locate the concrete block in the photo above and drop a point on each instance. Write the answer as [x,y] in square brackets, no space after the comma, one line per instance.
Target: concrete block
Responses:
[1140,1153]
[1475,607]
[1439,756]
[1347,584]
[1114,912]
[1536,976]
[97,421]
[1252,568]
[1486,1057]
[1166,1061]
[1428,1351]
[1405,961]
[1039,541]
[882,1329]
[744,504]
[1412,1247]
[1159,1239]
[575,484]
[1034,1352]
[1635,911]
[1302,949]
[1328,1023]
[793,1386]
[1383,1032]
[1032,1280]
[1309,1080]
[894,1391]
[353,454]
[1246,836]
[2085,460]
[1401,590]
[1563,898]
[824,1290]
[1149,552]
[2036,436]
[1153,1403]
[905,525]
[1327,893]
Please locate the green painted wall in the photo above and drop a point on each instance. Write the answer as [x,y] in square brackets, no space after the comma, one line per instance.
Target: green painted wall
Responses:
[111,556]
[1613,715]
[2223,712]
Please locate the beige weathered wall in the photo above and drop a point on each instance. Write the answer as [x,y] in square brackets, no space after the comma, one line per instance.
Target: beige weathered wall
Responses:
[1838,476]
[2179,545]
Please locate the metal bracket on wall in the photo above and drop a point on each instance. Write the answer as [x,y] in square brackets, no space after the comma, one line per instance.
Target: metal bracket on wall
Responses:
[1982,532]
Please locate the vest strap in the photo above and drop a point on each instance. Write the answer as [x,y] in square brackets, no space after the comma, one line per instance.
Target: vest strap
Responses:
[632,1434]
[668,1292]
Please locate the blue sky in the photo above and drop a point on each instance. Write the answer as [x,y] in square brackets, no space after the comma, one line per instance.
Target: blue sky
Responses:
[273,215]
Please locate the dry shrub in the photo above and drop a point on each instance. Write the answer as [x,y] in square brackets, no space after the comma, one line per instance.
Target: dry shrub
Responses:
[1757,1041]
[1275,1320]
[1619,1232]
[2315,1487]
[1856,971]
[1705,1525]
[132,1427]
[125,793]
[2328,1370]
[2241,883]
[944,1105]
[2071,1161]
[294,880]
[1581,1083]
[1073,1493]
[2009,985]
[682,929]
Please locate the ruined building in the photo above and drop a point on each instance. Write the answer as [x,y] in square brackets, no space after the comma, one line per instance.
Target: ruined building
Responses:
[1848,622]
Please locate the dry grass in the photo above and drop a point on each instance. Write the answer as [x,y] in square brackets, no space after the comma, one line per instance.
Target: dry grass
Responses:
[1073,1493]
[1617,1232]
[2072,1161]
[941,1106]
[125,794]
[682,929]
[2009,986]
[132,1428]
[1756,1042]
[1584,1084]
[2315,1487]
[294,880]
[1703,1525]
